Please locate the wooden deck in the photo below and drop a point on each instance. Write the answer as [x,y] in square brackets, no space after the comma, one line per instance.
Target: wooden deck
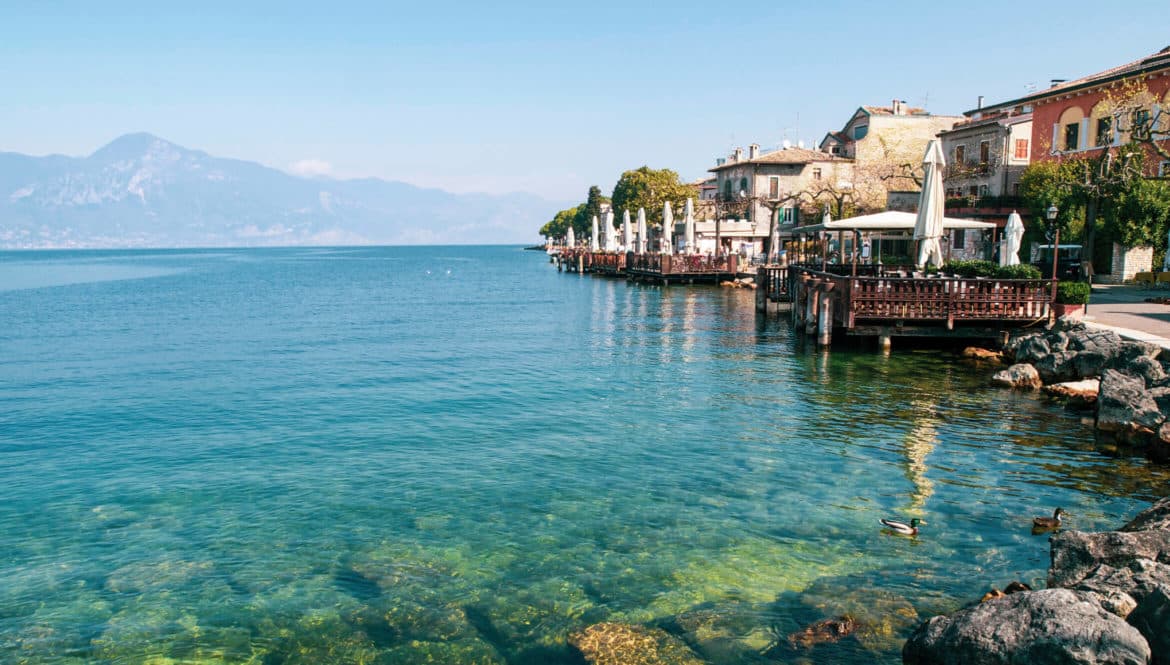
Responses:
[667,268]
[885,304]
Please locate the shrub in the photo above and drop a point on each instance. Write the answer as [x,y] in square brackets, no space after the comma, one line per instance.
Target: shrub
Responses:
[1020,271]
[972,268]
[1073,293]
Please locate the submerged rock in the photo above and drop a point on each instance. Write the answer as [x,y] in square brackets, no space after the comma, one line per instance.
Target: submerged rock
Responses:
[625,644]
[1049,626]
[825,630]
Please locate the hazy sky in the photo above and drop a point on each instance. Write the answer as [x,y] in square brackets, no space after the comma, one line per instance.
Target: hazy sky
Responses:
[544,98]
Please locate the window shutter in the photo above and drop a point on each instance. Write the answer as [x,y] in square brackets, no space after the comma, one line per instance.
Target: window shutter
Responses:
[1055,138]
[1083,139]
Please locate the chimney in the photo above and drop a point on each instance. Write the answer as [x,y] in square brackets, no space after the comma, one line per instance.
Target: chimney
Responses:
[896,107]
[753,151]
[737,155]
[720,161]
[1056,82]
[980,105]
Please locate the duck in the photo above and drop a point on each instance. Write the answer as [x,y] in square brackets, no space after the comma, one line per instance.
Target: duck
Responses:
[1049,522]
[903,528]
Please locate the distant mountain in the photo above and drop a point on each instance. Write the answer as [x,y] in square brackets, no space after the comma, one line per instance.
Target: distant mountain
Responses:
[143,191]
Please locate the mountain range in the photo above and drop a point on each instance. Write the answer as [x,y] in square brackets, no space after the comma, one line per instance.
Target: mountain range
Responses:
[144,191]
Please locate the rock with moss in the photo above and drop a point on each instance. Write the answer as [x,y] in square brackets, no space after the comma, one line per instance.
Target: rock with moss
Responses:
[625,644]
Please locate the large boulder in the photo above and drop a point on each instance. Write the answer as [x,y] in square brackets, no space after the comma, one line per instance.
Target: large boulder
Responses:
[1125,406]
[1152,619]
[1156,516]
[1021,375]
[1048,626]
[1077,555]
[1145,368]
[1030,349]
[1131,349]
[1105,342]
[1058,366]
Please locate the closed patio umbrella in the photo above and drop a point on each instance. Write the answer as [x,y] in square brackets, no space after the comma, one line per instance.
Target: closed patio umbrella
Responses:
[570,241]
[667,229]
[593,244]
[641,230]
[928,228]
[627,241]
[689,225]
[607,227]
[1013,233]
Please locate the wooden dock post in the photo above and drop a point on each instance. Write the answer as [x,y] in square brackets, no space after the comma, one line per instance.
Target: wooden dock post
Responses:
[824,319]
[885,339]
[812,306]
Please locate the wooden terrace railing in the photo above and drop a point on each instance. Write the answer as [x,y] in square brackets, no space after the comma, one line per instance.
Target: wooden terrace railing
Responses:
[931,299]
[681,265]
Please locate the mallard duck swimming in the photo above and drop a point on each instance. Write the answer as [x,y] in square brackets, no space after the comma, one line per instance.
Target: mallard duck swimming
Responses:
[903,528]
[1049,522]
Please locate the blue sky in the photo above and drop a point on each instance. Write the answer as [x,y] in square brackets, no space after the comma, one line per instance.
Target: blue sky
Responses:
[543,98]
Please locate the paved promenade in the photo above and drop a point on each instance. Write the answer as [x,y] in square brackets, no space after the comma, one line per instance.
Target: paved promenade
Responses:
[1124,308]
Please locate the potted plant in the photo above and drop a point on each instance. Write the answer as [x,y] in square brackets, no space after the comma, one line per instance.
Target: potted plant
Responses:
[1071,298]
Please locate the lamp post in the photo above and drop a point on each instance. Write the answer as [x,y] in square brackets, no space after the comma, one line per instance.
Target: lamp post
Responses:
[1054,231]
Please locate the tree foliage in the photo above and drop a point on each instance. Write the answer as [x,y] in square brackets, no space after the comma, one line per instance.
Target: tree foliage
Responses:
[649,188]
[579,217]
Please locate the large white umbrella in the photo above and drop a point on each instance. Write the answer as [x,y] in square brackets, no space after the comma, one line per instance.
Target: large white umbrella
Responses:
[1009,245]
[1166,261]
[641,230]
[928,228]
[610,239]
[667,228]
[593,244]
[571,241]
[627,241]
[689,226]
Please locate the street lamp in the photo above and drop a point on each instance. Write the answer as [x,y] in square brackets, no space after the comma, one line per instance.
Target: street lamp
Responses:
[1054,231]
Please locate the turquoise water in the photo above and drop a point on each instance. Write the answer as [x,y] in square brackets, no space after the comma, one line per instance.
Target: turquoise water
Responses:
[457,454]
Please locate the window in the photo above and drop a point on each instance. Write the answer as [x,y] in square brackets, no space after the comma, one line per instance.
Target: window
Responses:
[1021,148]
[982,190]
[1164,169]
[859,132]
[773,187]
[960,239]
[1141,121]
[1072,136]
[785,215]
[816,174]
[973,190]
[984,156]
[727,189]
[960,154]
[743,185]
[1104,131]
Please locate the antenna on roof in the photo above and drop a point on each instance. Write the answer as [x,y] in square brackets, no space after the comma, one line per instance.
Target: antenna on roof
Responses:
[1030,88]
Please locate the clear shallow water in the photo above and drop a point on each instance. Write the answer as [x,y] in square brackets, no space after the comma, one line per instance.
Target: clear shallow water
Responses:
[395,454]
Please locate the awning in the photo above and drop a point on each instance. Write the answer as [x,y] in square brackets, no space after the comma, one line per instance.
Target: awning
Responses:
[890,220]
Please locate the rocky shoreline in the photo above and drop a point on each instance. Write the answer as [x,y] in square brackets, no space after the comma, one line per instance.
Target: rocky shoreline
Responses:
[1125,384]
[1107,601]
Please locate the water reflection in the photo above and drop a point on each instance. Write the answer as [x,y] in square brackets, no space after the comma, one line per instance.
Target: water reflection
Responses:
[919,443]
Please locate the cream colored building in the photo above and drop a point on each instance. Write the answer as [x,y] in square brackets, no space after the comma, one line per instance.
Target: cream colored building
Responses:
[886,144]
[755,183]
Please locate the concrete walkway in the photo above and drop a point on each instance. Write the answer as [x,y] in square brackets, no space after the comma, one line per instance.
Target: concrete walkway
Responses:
[1124,309]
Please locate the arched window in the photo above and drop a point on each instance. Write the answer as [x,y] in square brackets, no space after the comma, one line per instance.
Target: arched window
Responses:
[743,184]
[727,189]
[1070,136]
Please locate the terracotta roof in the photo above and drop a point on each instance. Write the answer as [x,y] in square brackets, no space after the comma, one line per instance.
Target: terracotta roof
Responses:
[996,119]
[839,136]
[1152,62]
[785,156]
[886,110]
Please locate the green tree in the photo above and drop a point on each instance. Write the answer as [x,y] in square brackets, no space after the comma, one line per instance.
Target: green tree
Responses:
[558,227]
[583,223]
[1140,215]
[648,188]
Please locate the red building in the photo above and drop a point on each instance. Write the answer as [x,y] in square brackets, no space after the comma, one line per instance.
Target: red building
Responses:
[1102,110]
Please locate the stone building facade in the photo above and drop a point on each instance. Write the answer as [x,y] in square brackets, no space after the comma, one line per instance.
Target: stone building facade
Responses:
[886,144]
[987,156]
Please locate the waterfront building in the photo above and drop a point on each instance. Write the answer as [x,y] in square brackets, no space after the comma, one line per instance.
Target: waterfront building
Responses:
[759,187]
[881,141]
[987,155]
